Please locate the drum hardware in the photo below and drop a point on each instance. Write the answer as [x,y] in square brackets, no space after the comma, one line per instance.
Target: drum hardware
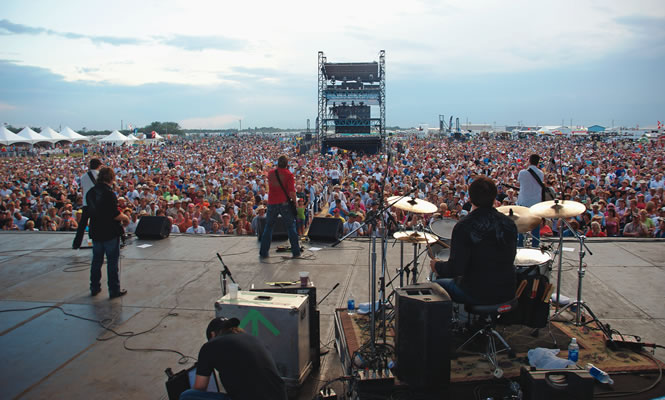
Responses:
[562,210]
[553,210]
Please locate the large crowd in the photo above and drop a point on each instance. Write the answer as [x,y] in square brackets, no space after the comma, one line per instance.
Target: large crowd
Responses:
[217,185]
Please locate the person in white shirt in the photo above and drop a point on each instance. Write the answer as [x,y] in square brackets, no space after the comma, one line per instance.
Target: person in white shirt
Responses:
[196,228]
[531,192]
[88,180]
[334,175]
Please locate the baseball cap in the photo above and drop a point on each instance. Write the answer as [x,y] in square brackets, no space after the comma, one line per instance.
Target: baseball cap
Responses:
[221,323]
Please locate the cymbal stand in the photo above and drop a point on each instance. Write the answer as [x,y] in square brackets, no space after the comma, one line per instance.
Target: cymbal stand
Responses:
[401,263]
[559,252]
[414,269]
[579,303]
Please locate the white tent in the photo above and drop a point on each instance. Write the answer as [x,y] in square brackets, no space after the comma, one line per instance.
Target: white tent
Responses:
[68,132]
[158,137]
[132,138]
[8,137]
[32,137]
[53,135]
[116,138]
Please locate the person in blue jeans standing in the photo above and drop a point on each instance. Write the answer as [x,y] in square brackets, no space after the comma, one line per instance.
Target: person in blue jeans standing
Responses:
[105,231]
[281,189]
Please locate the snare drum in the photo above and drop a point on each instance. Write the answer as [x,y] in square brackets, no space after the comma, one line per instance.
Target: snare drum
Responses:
[443,228]
[536,260]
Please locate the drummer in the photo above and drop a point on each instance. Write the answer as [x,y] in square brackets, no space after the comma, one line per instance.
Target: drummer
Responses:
[480,269]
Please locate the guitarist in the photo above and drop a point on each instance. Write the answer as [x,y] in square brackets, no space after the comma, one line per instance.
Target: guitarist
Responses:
[105,232]
[531,189]
[281,201]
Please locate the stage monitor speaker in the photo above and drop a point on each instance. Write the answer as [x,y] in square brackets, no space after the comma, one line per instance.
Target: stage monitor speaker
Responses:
[278,230]
[314,317]
[422,335]
[153,228]
[325,229]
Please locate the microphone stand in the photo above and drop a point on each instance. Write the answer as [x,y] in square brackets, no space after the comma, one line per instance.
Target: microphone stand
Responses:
[225,272]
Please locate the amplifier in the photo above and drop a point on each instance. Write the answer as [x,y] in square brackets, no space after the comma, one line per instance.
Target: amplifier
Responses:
[422,335]
[314,317]
[556,384]
[281,322]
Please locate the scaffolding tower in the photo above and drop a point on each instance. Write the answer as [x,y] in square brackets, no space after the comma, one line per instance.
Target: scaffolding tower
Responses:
[346,94]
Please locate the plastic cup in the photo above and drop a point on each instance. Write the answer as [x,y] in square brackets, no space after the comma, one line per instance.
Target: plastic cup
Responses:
[304,278]
[233,290]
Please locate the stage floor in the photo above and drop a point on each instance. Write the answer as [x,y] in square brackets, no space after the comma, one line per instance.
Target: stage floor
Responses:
[174,283]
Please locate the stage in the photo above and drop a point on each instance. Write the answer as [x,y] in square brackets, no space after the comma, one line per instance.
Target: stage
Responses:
[174,283]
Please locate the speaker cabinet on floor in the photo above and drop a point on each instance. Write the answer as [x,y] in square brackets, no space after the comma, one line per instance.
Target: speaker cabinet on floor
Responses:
[153,228]
[278,230]
[325,229]
[422,335]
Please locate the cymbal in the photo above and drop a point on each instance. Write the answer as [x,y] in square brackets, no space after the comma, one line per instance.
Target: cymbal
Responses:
[415,237]
[413,205]
[522,217]
[557,209]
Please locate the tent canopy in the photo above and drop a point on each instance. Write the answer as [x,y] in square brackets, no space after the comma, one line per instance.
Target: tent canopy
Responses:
[8,137]
[33,137]
[53,135]
[68,132]
[116,138]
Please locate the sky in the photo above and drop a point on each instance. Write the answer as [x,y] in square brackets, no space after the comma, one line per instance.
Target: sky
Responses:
[211,64]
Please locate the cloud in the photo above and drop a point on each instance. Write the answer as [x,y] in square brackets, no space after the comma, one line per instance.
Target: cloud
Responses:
[8,28]
[214,122]
[199,43]
[6,107]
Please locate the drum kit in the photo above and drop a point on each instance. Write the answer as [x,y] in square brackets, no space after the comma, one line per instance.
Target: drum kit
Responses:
[531,260]
[437,239]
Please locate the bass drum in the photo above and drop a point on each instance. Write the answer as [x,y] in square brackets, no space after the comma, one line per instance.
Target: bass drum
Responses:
[443,228]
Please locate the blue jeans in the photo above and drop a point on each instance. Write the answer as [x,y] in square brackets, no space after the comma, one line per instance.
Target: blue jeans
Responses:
[535,238]
[455,292]
[289,219]
[193,394]
[110,248]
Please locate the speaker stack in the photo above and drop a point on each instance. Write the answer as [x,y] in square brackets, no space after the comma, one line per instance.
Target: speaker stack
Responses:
[278,230]
[325,229]
[153,228]
[422,335]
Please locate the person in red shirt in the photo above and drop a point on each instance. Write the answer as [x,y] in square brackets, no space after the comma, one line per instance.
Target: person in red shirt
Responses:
[278,204]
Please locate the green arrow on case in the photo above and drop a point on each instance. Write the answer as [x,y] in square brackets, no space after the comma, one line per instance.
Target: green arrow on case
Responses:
[254,317]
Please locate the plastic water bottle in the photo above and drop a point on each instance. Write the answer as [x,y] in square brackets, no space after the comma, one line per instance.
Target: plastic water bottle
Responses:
[599,374]
[573,350]
[351,305]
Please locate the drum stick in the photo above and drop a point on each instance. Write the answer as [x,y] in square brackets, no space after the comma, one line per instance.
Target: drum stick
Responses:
[534,288]
[546,299]
[520,289]
[429,249]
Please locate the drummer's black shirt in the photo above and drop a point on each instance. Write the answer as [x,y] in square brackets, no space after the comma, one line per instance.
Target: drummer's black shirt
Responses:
[482,253]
